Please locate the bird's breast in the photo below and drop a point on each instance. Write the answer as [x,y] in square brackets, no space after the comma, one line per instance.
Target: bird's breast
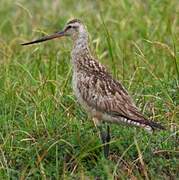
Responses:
[78,89]
[75,87]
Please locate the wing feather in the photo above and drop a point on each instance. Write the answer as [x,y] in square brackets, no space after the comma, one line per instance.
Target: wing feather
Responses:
[107,95]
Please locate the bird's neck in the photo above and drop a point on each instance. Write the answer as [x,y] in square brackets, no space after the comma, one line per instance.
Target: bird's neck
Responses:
[80,49]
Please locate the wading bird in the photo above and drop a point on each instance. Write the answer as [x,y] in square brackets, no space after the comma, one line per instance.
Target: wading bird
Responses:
[104,98]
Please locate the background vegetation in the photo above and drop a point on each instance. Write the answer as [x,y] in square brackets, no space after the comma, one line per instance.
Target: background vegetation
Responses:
[44,133]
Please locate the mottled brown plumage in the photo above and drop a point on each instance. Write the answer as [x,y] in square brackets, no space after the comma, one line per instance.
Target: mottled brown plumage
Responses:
[103,97]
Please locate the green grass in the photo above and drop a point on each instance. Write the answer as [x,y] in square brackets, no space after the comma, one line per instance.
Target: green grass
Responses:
[44,133]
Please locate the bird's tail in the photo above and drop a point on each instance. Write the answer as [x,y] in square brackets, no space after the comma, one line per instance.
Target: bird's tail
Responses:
[151,126]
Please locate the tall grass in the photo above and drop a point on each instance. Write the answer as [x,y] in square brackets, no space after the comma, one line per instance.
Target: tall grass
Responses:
[45,133]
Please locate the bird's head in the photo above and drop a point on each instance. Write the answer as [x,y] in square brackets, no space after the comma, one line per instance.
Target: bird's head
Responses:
[73,28]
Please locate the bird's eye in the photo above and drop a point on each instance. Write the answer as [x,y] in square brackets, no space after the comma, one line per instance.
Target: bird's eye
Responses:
[69,27]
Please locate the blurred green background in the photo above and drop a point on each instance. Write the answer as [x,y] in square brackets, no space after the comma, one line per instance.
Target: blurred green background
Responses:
[45,133]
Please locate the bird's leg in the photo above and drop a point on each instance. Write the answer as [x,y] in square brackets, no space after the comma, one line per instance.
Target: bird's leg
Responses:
[108,137]
[105,137]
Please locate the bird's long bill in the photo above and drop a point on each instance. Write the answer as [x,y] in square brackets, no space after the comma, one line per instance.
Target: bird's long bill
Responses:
[46,38]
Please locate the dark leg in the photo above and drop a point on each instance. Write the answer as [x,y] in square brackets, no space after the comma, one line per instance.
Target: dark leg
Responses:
[105,137]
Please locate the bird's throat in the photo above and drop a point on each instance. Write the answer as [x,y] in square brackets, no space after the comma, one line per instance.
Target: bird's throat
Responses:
[80,49]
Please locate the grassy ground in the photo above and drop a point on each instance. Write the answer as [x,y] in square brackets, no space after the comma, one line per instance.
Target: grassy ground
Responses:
[44,133]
